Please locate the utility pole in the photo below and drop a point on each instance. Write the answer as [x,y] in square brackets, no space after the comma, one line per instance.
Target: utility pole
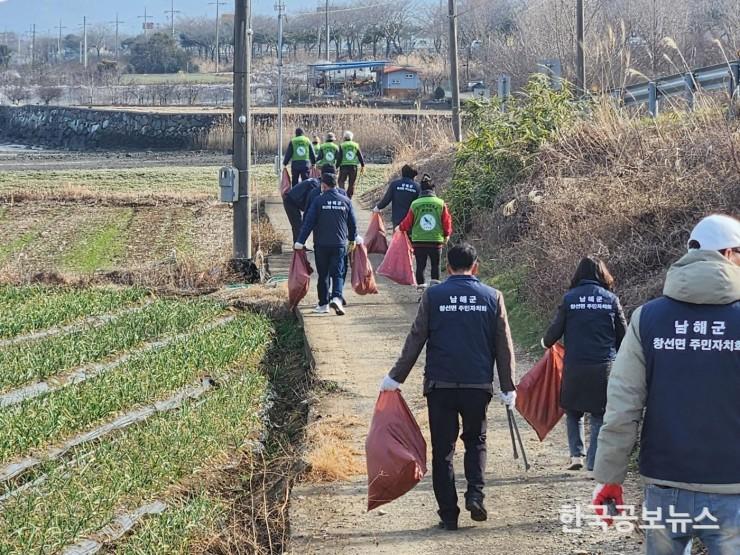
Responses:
[327,30]
[242,131]
[580,55]
[146,19]
[117,22]
[218,4]
[33,46]
[454,76]
[83,47]
[59,41]
[172,11]
[280,7]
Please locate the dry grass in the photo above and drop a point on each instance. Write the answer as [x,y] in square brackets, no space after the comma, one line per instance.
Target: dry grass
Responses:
[620,187]
[382,137]
[332,458]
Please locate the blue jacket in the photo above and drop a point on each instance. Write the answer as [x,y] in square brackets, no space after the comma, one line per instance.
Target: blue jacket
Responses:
[461,348]
[331,218]
[304,193]
[593,323]
[692,358]
[401,193]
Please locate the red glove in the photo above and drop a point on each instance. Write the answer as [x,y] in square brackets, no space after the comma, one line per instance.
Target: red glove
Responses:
[607,497]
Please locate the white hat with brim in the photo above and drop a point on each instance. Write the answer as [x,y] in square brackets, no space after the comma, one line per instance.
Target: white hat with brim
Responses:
[716,232]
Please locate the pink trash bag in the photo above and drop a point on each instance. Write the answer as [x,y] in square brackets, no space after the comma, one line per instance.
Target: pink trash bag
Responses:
[299,278]
[398,264]
[285,183]
[395,450]
[363,278]
[375,238]
[315,173]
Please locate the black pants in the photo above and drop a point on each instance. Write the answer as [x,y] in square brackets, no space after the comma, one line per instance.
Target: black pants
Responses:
[421,254]
[294,217]
[445,405]
[348,172]
[299,171]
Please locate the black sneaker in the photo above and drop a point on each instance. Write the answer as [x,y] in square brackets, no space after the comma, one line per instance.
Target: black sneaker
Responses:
[450,525]
[477,511]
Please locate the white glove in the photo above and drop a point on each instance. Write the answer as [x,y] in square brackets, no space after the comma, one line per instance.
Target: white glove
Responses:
[389,384]
[358,240]
[376,209]
[542,342]
[298,246]
[509,398]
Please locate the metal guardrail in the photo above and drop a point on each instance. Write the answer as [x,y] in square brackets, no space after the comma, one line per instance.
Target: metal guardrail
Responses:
[713,78]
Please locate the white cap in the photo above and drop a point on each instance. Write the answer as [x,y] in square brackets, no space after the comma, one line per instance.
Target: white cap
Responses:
[716,233]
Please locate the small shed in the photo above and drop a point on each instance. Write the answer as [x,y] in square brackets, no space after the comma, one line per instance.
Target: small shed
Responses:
[399,82]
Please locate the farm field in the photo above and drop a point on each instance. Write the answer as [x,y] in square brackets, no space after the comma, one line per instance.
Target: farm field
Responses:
[81,221]
[116,402]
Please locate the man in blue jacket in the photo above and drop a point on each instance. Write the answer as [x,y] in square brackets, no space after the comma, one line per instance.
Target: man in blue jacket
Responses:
[331,218]
[297,201]
[464,326]
[400,193]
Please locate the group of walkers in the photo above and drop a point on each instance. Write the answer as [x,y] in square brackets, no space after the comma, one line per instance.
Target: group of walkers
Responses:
[675,368]
[323,207]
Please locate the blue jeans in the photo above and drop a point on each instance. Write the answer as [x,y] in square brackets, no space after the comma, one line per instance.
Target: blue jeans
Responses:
[576,435]
[671,539]
[330,267]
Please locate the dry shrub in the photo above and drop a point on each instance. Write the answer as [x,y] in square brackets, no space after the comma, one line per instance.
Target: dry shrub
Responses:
[331,457]
[620,187]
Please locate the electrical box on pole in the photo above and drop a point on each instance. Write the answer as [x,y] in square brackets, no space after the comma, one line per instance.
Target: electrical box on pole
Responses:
[228,181]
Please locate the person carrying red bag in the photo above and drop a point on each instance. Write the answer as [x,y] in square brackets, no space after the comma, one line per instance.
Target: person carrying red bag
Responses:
[430,225]
[464,326]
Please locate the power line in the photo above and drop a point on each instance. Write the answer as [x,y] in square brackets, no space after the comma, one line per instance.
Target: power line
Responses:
[172,11]
[338,10]
[218,3]
[117,22]
[146,19]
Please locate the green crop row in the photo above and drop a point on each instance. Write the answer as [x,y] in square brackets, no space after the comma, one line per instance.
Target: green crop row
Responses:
[43,307]
[144,378]
[127,469]
[178,529]
[21,363]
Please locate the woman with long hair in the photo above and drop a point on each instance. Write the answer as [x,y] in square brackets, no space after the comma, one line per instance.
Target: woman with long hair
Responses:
[592,324]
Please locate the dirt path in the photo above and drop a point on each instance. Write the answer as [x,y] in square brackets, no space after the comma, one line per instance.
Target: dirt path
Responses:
[353,353]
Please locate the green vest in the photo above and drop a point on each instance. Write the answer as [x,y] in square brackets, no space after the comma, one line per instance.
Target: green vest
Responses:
[350,153]
[427,220]
[301,149]
[330,151]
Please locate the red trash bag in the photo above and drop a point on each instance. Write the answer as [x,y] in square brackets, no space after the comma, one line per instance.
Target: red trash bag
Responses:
[375,238]
[398,264]
[299,278]
[538,393]
[315,173]
[395,450]
[363,278]
[285,183]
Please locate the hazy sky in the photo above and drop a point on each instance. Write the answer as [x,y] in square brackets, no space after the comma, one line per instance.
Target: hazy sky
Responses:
[19,15]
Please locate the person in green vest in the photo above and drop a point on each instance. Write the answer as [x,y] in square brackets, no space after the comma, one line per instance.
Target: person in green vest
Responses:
[430,225]
[328,152]
[350,156]
[300,156]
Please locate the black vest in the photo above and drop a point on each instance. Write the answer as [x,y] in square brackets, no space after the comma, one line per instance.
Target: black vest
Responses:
[691,430]
[462,324]
[589,324]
